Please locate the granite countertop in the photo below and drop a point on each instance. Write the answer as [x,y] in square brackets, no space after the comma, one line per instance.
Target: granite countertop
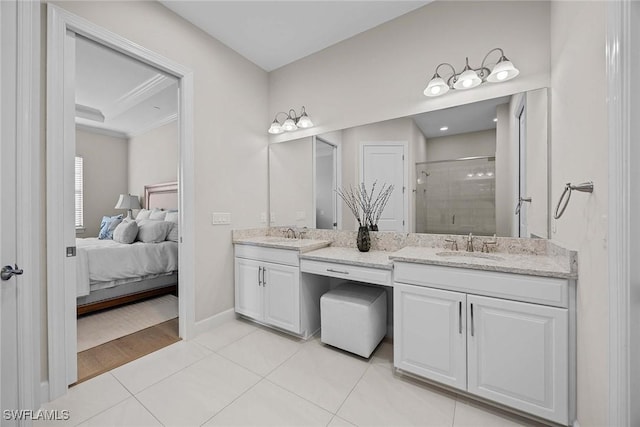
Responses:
[300,245]
[351,256]
[534,265]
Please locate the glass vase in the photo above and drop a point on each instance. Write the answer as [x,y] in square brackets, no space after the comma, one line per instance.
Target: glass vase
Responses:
[364,239]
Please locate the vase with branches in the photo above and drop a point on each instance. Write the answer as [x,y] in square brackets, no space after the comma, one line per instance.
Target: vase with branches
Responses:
[367,207]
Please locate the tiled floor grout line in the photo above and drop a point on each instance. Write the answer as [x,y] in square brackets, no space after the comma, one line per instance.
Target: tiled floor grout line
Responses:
[354,387]
[301,397]
[112,406]
[230,403]
[148,410]
[455,407]
[227,344]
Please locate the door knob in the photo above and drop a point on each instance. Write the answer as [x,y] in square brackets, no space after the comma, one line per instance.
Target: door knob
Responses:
[8,272]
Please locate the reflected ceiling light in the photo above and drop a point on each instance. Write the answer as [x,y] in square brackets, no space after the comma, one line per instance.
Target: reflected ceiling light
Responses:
[495,120]
[292,122]
[470,77]
[443,128]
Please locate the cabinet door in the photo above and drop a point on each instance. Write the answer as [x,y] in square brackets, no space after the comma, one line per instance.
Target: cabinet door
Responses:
[518,355]
[248,291]
[282,296]
[429,333]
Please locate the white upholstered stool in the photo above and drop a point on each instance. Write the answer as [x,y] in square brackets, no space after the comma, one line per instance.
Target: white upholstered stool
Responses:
[353,317]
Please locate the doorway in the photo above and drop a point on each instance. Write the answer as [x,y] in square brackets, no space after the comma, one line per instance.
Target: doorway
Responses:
[326,180]
[61,245]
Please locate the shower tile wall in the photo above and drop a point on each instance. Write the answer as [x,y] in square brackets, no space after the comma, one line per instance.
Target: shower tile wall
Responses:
[456,197]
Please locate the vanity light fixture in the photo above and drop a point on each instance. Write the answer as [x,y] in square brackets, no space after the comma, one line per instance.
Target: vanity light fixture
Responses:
[292,122]
[470,77]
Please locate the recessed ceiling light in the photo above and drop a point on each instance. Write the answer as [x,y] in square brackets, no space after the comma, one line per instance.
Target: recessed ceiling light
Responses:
[443,128]
[495,120]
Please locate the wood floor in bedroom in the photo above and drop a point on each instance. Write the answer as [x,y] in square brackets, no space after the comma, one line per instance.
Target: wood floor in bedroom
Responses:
[110,355]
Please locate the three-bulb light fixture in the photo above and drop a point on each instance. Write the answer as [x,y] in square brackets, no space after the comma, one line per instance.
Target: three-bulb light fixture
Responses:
[471,77]
[292,122]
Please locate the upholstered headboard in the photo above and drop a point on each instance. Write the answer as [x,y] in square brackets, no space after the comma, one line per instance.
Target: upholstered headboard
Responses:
[163,196]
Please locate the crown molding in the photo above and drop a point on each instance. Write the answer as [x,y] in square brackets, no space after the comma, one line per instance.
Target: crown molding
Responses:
[138,94]
[101,131]
[163,121]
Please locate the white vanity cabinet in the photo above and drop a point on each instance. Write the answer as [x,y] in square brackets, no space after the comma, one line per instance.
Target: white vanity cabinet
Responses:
[270,289]
[468,330]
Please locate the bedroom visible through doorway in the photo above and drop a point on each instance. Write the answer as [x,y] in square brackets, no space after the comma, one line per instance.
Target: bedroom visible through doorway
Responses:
[125,207]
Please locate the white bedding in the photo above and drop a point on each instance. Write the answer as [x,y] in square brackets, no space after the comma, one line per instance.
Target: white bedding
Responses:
[109,261]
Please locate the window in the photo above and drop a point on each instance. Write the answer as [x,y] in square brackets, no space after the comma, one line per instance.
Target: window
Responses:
[79,196]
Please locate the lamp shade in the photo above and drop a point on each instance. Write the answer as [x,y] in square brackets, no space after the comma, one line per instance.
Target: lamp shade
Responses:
[503,71]
[467,80]
[127,201]
[304,122]
[289,125]
[275,128]
[436,87]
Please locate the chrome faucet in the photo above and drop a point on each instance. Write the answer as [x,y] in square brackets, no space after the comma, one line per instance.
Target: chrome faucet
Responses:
[470,243]
[293,233]
[454,244]
[485,244]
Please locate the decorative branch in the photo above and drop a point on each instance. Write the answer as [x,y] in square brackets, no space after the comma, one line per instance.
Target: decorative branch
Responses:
[370,204]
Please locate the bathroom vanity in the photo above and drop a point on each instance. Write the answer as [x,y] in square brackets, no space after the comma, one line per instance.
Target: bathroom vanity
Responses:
[497,326]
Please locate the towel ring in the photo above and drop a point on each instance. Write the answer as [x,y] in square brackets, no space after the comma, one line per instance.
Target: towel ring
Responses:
[585,187]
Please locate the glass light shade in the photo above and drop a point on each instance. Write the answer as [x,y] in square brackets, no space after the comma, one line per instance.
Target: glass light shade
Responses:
[436,87]
[304,121]
[467,80]
[503,71]
[289,125]
[275,128]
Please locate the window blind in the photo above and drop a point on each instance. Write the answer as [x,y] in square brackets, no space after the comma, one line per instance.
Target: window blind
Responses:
[79,196]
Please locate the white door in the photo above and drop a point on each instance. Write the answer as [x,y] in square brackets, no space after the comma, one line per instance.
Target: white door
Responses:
[518,355]
[384,163]
[248,288]
[522,185]
[8,225]
[429,329]
[281,289]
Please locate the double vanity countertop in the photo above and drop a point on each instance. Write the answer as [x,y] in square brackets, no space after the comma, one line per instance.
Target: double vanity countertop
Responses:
[546,265]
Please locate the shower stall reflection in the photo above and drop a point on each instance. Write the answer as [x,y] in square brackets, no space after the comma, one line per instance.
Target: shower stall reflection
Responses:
[456,196]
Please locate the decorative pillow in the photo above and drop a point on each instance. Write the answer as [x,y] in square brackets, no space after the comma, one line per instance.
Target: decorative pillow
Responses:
[151,231]
[107,225]
[157,214]
[173,231]
[126,232]
[171,216]
[143,214]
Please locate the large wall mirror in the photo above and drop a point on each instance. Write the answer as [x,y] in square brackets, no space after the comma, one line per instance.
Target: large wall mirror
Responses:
[479,168]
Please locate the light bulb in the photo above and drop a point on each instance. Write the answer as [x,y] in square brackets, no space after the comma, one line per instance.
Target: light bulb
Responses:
[502,75]
[503,71]
[436,87]
[289,125]
[275,128]
[467,80]
[304,121]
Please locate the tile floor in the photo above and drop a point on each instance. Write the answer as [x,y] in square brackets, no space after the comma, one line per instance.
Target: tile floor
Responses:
[240,374]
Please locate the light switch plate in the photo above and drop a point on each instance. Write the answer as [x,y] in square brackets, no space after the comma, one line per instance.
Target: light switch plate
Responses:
[221,218]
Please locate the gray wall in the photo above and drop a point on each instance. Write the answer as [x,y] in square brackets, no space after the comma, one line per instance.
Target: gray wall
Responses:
[105,176]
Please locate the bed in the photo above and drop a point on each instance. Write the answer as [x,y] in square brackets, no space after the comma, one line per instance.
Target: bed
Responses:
[111,273]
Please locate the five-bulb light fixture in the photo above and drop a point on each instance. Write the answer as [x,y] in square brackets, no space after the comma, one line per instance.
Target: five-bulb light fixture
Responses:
[471,77]
[291,123]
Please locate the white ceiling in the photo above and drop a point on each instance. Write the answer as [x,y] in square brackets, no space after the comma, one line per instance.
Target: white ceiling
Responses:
[132,96]
[272,34]
[465,118]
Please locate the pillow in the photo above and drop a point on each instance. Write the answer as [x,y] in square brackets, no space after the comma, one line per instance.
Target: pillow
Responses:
[126,232]
[157,214]
[173,231]
[107,225]
[171,217]
[143,214]
[151,231]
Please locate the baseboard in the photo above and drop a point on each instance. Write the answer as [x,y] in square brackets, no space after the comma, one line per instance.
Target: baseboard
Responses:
[44,392]
[209,323]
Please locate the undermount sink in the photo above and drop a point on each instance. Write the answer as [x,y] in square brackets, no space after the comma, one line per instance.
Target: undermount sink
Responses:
[470,255]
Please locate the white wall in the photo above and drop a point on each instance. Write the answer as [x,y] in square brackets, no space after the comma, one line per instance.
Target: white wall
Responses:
[230,119]
[470,144]
[579,153]
[153,158]
[380,74]
[105,176]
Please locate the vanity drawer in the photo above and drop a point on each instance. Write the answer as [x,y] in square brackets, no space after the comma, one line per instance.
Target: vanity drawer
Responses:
[376,276]
[259,253]
[534,289]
